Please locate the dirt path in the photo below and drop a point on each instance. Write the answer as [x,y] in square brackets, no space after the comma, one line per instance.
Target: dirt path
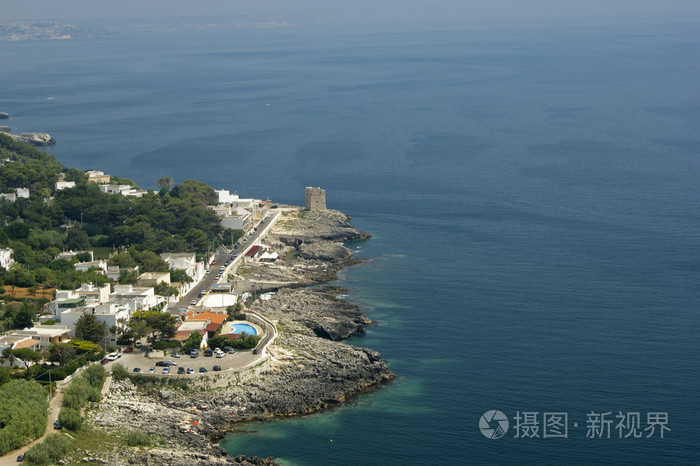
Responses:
[54,408]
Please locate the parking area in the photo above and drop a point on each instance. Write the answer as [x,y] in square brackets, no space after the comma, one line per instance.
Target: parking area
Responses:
[137,358]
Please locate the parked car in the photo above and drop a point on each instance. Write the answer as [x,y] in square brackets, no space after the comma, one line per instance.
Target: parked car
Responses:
[207,272]
[194,354]
[160,363]
[20,458]
[138,344]
[220,354]
[166,370]
[56,424]
[208,353]
[151,370]
[255,351]
[175,354]
[137,369]
[193,302]
[190,370]
[104,361]
[203,369]
[169,362]
[129,349]
[180,370]
[217,368]
[230,351]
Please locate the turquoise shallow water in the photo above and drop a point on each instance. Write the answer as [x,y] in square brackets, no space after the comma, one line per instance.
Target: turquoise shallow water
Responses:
[532,194]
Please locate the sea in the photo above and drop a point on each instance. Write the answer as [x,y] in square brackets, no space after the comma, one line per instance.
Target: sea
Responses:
[532,191]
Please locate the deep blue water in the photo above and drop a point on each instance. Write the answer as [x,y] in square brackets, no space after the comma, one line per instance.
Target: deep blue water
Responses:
[533,194]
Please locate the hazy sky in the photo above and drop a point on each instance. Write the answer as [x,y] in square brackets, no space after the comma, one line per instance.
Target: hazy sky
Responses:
[325,11]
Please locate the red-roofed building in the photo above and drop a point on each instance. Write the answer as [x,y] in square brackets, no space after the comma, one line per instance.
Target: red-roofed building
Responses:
[253,252]
[211,321]
[28,343]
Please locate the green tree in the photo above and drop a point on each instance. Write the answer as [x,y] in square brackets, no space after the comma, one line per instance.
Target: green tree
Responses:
[180,276]
[77,240]
[158,323]
[89,328]
[27,356]
[193,342]
[24,318]
[122,259]
[60,353]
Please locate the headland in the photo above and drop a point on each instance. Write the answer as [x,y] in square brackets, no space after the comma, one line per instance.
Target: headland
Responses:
[308,368]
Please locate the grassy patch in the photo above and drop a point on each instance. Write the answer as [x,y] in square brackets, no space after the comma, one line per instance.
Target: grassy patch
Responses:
[135,438]
[102,252]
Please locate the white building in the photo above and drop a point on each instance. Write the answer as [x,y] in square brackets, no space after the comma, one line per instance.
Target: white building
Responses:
[185,261]
[86,295]
[123,189]
[6,259]
[85,266]
[64,185]
[45,334]
[153,278]
[136,298]
[22,193]
[68,255]
[109,314]
[238,213]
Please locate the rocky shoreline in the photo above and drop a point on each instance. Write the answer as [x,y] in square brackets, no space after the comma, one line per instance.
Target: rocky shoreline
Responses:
[309,369]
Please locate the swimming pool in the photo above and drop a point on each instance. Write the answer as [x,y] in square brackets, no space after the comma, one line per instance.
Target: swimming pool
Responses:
[240,328]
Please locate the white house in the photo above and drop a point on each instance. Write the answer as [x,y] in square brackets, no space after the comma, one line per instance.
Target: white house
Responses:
[64,185]
[185,261]
[153,278]
[6,259]
[135,298]
[109,314]
[46,334]
[85,266]
[86,295]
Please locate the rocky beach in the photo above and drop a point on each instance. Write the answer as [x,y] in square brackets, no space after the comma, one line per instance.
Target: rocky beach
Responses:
[308,370]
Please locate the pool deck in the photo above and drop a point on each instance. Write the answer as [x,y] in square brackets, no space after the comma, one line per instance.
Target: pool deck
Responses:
[257,328]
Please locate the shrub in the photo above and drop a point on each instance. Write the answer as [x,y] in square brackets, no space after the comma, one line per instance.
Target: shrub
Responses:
[165,344]
[79,392]
[95,375]
[23,413]
[70,419]
[135,438]
[49,451]
[119,372]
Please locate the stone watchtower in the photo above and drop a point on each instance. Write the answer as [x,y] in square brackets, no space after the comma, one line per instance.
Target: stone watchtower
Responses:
[315,199]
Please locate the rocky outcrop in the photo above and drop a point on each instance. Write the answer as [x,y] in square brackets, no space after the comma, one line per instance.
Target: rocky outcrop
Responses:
[5,129]
[35,139]
[308,226]
[315,312]
[309,368]
[312,241]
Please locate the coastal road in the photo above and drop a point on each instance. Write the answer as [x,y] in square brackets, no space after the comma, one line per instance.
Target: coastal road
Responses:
[222,255]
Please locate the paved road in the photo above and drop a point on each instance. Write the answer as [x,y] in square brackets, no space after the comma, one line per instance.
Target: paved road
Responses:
[222,255]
